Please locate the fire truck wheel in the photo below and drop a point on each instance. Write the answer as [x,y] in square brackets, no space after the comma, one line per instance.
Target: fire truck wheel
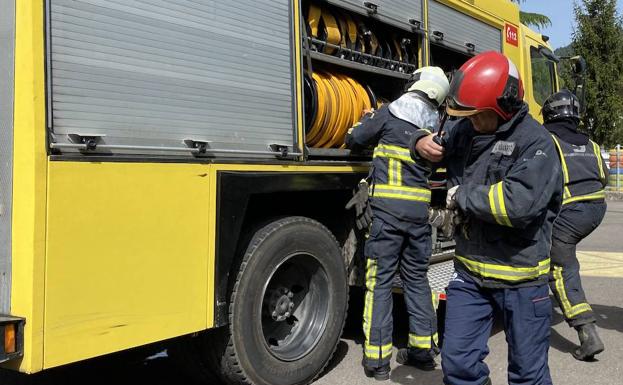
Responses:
[288,305]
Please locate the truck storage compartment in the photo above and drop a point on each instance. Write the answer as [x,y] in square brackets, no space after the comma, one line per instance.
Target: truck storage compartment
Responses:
[448,59]
[353,63]
[157,77]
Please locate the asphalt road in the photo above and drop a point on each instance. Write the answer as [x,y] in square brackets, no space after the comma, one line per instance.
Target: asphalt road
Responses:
[602,270]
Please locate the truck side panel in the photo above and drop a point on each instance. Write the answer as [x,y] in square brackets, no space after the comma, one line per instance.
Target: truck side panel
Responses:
[7,46]
[127,256]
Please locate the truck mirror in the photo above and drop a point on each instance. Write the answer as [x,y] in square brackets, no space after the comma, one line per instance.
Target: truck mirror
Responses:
[548,54]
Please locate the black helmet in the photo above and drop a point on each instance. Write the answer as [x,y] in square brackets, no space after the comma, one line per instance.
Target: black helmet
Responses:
[562,104]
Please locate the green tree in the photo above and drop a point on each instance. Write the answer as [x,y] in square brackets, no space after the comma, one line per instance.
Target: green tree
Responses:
[598,37]
[533,19]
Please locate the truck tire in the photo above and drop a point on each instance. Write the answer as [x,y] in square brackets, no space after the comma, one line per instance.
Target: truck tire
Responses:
[288,305]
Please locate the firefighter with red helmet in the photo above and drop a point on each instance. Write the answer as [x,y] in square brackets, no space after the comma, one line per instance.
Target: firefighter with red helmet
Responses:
[506,186]
[583,209]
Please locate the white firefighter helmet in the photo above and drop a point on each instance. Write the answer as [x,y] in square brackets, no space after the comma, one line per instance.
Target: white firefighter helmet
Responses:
[432,81]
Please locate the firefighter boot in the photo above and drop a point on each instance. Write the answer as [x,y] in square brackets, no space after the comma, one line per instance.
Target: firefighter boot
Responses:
[380,374]
[590,343]
[423,359]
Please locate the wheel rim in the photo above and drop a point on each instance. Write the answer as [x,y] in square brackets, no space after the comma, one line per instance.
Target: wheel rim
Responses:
[295,307]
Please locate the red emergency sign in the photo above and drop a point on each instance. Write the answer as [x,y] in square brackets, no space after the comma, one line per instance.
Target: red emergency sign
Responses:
[512,37]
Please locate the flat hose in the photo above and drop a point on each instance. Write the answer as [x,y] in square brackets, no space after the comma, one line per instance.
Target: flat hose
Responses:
[324,26]
[340,103]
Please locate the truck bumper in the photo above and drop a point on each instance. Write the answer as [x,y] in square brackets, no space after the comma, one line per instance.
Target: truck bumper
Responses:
[11,337]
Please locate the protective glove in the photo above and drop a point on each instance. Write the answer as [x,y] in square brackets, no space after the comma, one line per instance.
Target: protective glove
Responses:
[451,198]
[443,220]
[461,222]
[361,202]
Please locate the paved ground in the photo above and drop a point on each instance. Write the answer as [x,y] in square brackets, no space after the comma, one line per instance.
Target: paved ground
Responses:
[602,269]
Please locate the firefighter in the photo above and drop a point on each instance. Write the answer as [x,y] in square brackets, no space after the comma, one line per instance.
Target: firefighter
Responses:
[583,209]
[399,235]
[507,188]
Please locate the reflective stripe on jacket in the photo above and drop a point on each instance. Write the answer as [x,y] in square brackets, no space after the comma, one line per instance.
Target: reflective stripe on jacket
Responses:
[399,185]
[583,170]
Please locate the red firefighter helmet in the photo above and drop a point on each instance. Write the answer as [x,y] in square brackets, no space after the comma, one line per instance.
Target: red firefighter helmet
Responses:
[488,81]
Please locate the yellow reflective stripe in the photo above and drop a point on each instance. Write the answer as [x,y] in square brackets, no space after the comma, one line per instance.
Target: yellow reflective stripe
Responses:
[505,219]
[435,297]
[376,352]
[391,172]
[406,189]
[568,310]
[401,196]
[401,192]
[565,171]
[369,300]
[506,273]
[599,160]
[393,152]
[588,197]
[426,130]
[423,342]
[391,147]
[394,170]
[497,205]
[579,309]
[392,155]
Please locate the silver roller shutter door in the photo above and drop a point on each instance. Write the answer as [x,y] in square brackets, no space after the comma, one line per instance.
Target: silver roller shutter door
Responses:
[399,12]
[7,45]
[459,29]
[153,73]
[394,12]
[352,5]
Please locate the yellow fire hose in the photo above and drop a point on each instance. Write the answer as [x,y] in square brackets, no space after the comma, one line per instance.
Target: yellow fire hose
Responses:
[341,101]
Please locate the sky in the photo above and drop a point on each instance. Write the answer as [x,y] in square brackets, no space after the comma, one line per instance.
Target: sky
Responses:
[561,14]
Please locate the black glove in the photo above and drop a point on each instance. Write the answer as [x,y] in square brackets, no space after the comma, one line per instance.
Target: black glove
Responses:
[361,202]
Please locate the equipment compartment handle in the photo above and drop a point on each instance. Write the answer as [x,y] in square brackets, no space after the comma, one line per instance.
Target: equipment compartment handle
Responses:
[372,8]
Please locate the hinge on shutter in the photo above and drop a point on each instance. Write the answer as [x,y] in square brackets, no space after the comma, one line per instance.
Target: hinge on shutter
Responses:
[415,24]
[371,7]
[199,147]
[438,35]
[281,150]
[90,141]
[471,47]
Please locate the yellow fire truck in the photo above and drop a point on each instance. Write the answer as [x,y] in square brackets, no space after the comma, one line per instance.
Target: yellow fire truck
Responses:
[173,171]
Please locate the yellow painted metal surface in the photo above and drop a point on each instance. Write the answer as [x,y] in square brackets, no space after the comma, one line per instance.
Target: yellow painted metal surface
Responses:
[130,253]
[127,256]
[29,183]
